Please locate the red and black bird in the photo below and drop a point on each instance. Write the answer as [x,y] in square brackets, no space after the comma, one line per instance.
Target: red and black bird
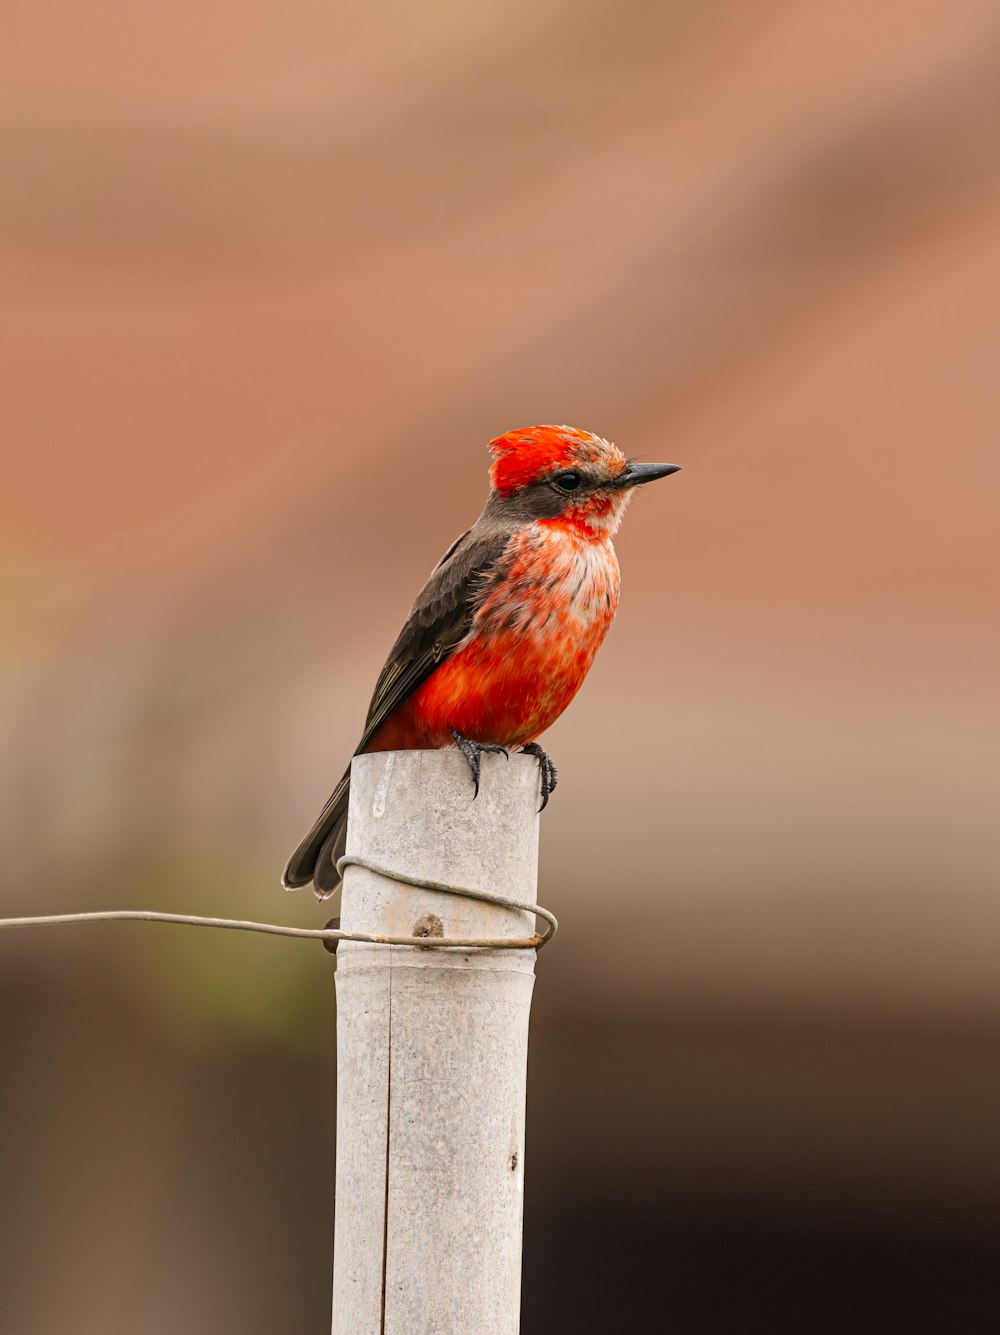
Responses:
[504,631]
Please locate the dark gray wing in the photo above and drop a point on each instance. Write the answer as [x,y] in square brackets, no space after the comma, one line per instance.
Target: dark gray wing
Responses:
[438,621]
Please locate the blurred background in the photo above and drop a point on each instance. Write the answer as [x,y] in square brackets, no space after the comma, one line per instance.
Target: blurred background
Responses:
[272,276]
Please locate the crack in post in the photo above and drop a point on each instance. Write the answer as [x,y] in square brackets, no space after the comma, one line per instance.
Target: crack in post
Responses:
[388,1141]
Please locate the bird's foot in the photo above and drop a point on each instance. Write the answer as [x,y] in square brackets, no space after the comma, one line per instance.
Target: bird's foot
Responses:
[550,775]
[473,754]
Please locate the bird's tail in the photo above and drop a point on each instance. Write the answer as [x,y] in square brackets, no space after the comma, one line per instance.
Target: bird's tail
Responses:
[315,859]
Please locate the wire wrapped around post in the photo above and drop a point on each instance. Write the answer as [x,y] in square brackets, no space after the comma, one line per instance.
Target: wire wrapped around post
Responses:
[434,982]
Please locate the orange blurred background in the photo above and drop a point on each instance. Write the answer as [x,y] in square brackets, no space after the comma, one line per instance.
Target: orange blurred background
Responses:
[272,276]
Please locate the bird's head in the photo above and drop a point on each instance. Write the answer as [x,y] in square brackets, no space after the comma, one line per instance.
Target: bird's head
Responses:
[561,475]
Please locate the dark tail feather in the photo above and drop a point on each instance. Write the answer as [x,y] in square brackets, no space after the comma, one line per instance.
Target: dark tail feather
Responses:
[315,859]
[326,878]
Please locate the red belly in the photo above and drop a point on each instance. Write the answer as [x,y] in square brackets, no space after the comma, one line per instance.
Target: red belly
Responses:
[489,692]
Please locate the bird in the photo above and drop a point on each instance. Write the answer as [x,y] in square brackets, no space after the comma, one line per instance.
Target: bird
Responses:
[501,636]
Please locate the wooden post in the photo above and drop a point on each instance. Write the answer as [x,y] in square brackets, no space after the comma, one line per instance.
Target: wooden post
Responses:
[432,1049]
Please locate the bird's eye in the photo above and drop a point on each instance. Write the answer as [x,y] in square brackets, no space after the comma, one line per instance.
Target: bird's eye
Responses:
[567,481]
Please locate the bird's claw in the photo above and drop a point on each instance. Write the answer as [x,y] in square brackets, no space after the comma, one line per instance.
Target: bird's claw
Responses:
[549,773]
[472,751]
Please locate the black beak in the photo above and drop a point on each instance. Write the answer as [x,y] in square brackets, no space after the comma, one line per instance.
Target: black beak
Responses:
[637,473]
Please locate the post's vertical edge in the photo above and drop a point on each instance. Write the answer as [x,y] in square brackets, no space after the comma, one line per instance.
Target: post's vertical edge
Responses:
[362,1146]
[432,1051]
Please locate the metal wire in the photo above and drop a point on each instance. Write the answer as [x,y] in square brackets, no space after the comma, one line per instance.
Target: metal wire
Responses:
[330,933]
[464,892]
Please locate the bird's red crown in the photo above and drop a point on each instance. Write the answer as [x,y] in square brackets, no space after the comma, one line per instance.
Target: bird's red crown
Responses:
[530,453]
